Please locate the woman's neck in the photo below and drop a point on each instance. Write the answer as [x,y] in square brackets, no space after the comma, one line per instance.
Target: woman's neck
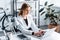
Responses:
[24,16]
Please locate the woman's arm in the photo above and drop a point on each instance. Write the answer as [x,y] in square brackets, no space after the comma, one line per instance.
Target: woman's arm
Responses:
[39,31]
[25,31]
[21,28]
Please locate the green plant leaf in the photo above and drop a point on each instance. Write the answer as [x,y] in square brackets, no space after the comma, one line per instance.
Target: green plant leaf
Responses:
[1,8]
[55,16]
[59,19]
[41,10]
[53,10]
[45,3]
[42,13]
[50,5]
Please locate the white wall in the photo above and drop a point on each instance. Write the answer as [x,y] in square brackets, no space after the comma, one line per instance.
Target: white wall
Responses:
[55,2]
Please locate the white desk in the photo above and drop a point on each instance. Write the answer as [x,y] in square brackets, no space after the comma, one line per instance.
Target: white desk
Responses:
[14,37]
[50,34]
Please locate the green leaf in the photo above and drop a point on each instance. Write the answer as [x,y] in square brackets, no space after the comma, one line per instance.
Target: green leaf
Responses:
[50,5]
[59,19]
[53,10]
[55,16]
[42,13]
[45,3]
[41,10]
[45,18]
[1,8]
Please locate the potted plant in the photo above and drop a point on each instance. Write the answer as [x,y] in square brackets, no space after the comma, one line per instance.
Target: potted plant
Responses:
[49,13]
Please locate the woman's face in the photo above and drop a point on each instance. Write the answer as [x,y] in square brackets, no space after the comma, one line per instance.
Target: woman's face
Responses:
[26,11]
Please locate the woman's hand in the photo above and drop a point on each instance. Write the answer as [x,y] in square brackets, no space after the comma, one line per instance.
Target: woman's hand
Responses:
[42,32]
[39,33]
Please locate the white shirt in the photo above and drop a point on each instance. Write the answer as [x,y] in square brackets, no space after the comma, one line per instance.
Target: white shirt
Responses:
[19,21]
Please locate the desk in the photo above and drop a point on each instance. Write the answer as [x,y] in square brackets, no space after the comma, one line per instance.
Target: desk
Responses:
[15,37]
[49,35]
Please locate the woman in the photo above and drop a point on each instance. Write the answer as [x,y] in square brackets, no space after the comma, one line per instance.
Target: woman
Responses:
[25,24]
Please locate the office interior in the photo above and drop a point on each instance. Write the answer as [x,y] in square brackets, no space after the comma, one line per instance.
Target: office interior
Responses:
[46,14]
